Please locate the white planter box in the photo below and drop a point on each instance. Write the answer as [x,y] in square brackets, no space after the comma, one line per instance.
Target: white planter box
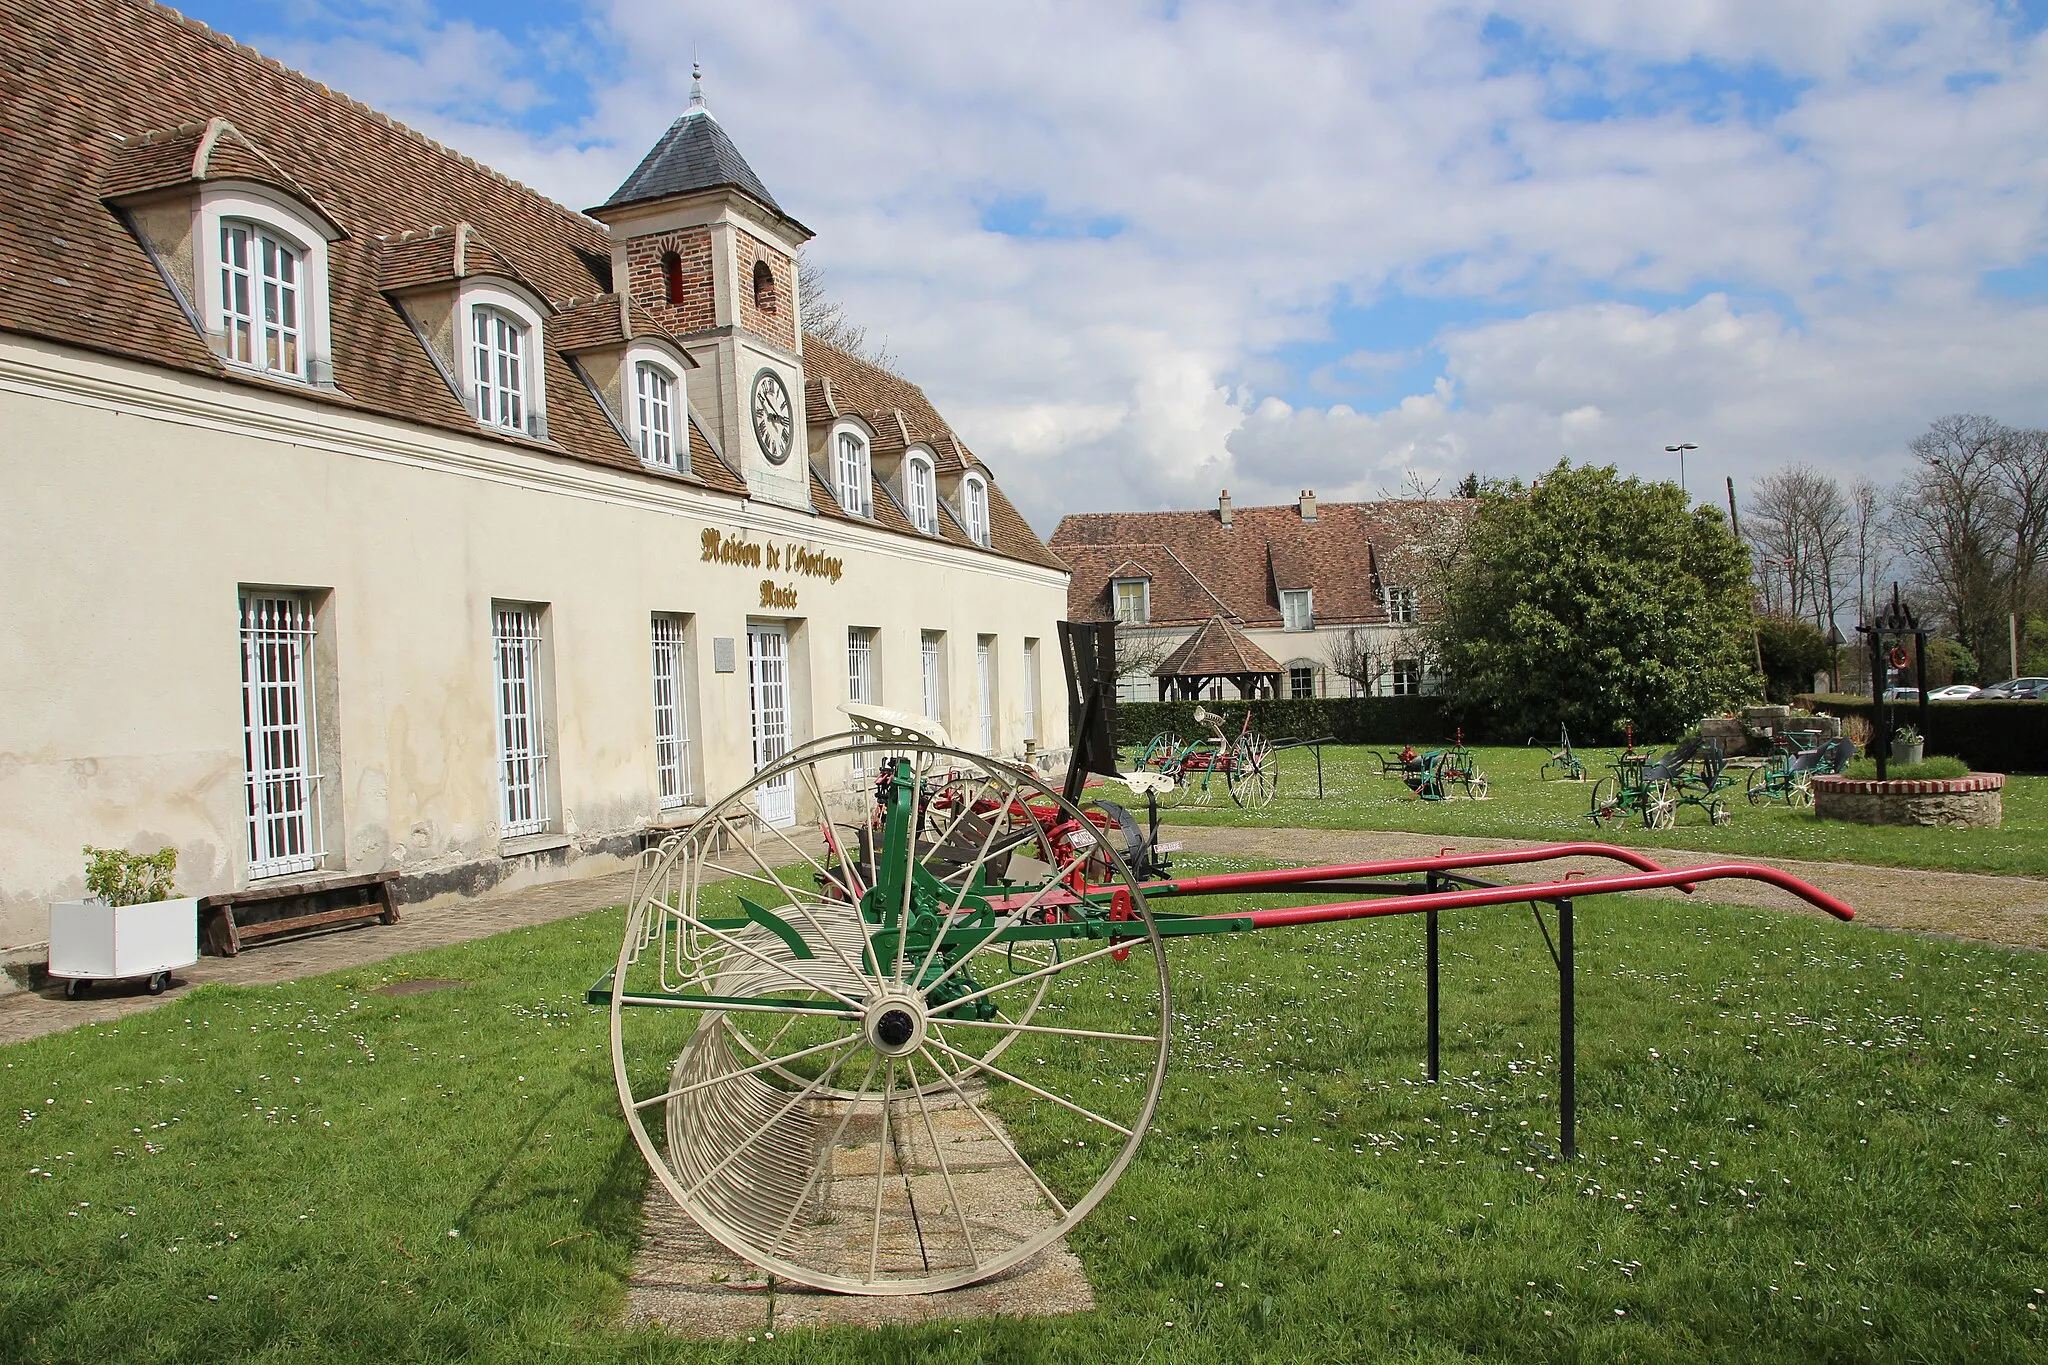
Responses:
[94,942]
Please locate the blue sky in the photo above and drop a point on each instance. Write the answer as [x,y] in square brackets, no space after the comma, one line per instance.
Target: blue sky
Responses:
[1137,252]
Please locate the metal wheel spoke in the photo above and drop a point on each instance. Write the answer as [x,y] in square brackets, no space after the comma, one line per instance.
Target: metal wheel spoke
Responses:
[1053,970]
[698,1002]
[966,880]
[823,1168]
[1008,1027]
[767,961]
[725,1076]
[1023,1084]
[939,1151]
[1054,883]
[994,1130]
[882,1164]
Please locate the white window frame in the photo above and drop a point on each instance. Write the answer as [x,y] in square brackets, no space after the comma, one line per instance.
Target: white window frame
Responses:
[1294,680]
[985,689]
[262,290]
[518,672]
[1030,690]
[931,650]
[771,712]
[974,506]
[1405,678]
[853,470]
[657,402]
[1297,609]
[860,676]
[1116,598]
[527,315]
[1400,605]
[669,634]
[921,490]
[280,735]
[276,215]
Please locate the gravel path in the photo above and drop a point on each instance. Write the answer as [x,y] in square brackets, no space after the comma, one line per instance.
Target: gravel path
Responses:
[2009,910]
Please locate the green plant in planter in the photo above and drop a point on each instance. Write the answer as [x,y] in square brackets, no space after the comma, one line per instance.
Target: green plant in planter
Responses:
[1905,734]
[119,877]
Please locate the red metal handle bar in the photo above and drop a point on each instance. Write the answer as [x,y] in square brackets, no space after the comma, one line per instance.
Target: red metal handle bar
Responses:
[1222,883]
[1563,890]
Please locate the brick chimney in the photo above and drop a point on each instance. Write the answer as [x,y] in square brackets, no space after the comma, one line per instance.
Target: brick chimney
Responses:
[1223,508]
[1307,505]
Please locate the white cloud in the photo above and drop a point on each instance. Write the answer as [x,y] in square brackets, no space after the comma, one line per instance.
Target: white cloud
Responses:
[1265,164]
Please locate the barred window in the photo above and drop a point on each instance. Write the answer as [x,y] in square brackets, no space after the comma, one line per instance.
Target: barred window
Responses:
[281,771]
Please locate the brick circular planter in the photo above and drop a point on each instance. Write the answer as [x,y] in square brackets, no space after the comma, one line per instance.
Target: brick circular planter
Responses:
[1974,802]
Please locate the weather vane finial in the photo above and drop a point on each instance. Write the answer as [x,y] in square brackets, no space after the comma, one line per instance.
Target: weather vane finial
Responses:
[697,85]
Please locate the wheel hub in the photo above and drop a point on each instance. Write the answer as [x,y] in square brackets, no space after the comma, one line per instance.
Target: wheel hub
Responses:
[894,1023]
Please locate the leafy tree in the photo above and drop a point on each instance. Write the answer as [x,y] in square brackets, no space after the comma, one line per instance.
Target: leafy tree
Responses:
[1948,662]
[1794,651]
[1594,600]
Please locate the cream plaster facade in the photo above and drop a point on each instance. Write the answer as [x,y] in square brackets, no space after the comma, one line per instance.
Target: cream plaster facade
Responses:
[141,500]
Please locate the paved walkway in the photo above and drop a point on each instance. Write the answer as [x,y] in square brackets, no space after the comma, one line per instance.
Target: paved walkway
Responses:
[2009,910]
[433,924]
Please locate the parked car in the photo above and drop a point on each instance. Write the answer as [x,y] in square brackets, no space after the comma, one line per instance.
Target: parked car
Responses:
[2013,689]
[1902,694]
[1953,692]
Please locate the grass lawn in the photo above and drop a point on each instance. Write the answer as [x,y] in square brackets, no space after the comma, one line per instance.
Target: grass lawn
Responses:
[1799,1140]
[1520,806]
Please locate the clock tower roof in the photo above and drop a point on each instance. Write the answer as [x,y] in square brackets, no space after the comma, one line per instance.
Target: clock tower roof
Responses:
[694,155]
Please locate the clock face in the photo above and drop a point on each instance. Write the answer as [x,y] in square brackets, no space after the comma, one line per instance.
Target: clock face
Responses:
[774,426]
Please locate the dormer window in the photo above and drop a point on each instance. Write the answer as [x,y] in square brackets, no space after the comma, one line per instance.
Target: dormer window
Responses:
[655,414]
[764,287]
[974,496]
[1133,598]
[261,318]
[501,361]
[1400,605]
[501,376]
[1297,610]
[852,479]
[921,485]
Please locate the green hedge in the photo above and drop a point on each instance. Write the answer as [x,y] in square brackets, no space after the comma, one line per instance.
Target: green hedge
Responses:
[1990,736]
[1353,720]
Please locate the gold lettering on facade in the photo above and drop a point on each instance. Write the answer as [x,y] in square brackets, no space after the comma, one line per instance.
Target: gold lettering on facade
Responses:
[782,599]
[722,548]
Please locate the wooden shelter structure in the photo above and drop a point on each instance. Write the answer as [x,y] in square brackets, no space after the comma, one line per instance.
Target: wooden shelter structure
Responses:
[1216,650]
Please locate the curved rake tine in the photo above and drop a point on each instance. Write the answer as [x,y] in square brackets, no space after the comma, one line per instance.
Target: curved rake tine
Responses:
[723,1077]
[734,1155]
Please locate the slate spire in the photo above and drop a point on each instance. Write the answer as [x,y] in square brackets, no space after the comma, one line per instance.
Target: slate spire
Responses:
[694,154]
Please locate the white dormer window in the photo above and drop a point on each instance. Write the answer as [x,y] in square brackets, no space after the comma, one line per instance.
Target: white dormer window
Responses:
[974,494]
[263,284]
[261,318]
[1400,605]
[501,358]
[921,484]
[500,362]
[1133,600]
[851,477]
[655,414]
[1296,609]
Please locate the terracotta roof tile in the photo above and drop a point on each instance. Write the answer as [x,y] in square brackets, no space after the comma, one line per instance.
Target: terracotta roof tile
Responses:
[1217,649]
[1200,567]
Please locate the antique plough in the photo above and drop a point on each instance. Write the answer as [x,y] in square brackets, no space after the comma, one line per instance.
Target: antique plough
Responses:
[845,1045]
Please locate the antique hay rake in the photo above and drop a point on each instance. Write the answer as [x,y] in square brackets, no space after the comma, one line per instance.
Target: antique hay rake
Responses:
[844,1045]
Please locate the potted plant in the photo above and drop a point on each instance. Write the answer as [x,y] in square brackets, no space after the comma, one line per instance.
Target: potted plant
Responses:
[135,925]
[1908,745]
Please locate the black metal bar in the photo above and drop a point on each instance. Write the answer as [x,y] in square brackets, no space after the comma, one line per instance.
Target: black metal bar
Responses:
[1920,677]
[1567,1036]
[1435,1015]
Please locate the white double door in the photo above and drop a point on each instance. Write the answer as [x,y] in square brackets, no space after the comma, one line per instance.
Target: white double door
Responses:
[768,711]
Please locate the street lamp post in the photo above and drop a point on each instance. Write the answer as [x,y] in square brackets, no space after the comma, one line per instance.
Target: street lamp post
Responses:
[1679,451]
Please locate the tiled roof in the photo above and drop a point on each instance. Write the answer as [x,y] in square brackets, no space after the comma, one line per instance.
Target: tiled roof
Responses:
[838,384]
[114,98]
[694,154]
[1199,567]
[1216,650]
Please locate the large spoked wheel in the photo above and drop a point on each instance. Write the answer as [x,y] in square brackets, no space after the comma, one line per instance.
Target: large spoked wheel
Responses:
[1801,793]
[1606,805]
[1254,772]
[866,1032]
[1758,787]
[1660,806]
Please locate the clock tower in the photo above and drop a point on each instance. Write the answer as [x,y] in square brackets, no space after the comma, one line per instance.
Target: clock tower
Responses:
[699,242]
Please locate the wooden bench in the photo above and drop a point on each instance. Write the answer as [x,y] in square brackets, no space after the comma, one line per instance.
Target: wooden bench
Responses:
[231,918]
